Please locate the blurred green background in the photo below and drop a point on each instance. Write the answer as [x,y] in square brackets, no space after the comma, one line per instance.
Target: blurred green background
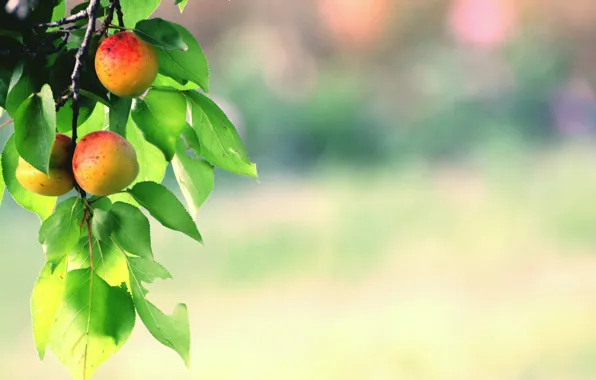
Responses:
[424,210]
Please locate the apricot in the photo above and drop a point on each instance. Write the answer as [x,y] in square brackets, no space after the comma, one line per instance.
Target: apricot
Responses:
[104,163]
[59,181]
[126,65]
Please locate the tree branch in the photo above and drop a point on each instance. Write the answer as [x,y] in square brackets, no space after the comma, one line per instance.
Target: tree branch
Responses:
[80,58]
[67,20]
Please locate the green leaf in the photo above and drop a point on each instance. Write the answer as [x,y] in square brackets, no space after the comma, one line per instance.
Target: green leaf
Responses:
[94,322]
[95,122]
[119,112]
[60,233]
[220,142]
[64,115]
[152,163]
[195,178]
[165,207]
[160,33]
[110,263]
[38,204]
[102,224]
[181,4]
[162,81]
[20,88]
[183,66]
[171,330]
[45,300]
[5,76]
[59,10]
[161,116]
[35,129]
[131,230]
[135,10]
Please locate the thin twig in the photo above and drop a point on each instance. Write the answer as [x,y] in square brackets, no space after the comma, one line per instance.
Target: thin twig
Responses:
[6,123]
[66,20]
[108,19]
[62,101]
[79,62]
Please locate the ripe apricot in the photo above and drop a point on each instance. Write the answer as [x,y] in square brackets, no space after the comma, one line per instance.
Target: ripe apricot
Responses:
[126,65]
[104,163]
[60,179]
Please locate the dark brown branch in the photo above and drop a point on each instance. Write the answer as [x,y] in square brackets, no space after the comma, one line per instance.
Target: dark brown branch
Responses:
[80,58]
[67,20]
[119,12]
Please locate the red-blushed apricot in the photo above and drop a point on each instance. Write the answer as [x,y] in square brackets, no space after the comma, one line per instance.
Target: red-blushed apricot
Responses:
[60,179]
[104,163]
[126,65]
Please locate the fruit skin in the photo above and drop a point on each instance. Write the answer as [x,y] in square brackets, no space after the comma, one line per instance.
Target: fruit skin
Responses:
[126,65]
[104,163]
[60,179]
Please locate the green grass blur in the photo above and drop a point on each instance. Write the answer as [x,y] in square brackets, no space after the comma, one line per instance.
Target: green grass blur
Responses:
[477,270]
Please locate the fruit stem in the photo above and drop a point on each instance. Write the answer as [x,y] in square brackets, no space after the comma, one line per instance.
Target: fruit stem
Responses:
[89,236]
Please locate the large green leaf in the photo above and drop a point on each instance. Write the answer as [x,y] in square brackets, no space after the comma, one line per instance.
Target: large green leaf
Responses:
[165,207]
[135,10]
[195,177]
[38,204]
[119,113]
[171,330]
[152,163]
[164,82]
[60,233]
[45,300]
[220,143]
[161,116]
[160,33]
[131,230]
[94,322]
[190,65]
[35,129]
[102,224]
[96,121]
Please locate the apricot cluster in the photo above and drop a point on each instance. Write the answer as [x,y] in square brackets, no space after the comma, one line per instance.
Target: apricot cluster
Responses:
[103,162]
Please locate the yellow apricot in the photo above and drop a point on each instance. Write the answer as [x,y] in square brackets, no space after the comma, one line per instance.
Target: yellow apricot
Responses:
[126,65]
[60,179]
[104,163]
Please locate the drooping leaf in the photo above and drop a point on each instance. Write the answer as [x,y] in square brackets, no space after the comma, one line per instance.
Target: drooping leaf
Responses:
[119,113]
[131,230]
[195,178]
[161,116]
[135,10]
[45,300]
[220,142]
[171,330]
[190,65]
[35,129]
[93,323]
[181,4]
[60,233]
[160,33]
[102,224]
[165,207]
[95,122]
[38,204]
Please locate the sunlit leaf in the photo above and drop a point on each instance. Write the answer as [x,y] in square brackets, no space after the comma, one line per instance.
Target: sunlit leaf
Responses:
[131,229]
[160,33]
